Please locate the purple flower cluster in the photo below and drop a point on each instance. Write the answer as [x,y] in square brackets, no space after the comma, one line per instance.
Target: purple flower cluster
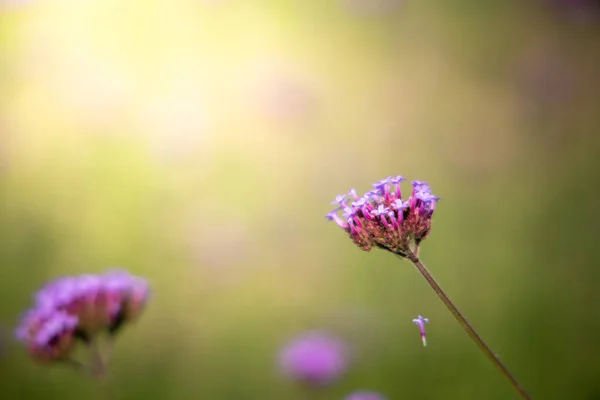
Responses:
[364,395]
[79,307]
[315,359]
[381,218]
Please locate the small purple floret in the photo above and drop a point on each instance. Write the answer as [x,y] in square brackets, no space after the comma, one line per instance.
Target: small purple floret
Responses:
[425,196]
[397,180]
[360,202]
[419,183]
[348,212]
[380,185]
[380,210]
[398,204]
[339,199]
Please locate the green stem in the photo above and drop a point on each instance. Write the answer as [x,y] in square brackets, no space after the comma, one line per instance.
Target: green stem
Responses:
[98,364]
[465,324]
[78,365]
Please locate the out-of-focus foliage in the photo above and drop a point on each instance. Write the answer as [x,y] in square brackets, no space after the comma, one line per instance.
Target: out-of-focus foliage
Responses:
[199,144]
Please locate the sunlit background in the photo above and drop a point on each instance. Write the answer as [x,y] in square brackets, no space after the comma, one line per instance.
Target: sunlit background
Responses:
[199,144]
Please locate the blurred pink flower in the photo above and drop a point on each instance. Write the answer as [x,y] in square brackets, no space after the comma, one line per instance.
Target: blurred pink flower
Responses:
[315,359]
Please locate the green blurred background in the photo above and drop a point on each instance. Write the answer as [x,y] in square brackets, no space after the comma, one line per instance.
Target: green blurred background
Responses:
[199,144]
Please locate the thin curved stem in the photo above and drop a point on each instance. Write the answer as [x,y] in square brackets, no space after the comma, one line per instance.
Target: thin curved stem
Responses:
[99,370]
[78,365]
[98,364]
[465,324]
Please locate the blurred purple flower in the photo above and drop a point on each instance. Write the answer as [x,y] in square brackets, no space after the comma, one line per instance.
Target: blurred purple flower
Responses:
[365,395]
[315,359]
[79,307]
[383,219]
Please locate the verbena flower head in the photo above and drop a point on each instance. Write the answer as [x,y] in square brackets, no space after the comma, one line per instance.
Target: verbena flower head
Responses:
[382,218]
[315,359]
[78,308]
[365,395]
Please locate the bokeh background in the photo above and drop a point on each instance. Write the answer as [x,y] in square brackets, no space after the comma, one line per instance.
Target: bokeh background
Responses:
[200,143]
